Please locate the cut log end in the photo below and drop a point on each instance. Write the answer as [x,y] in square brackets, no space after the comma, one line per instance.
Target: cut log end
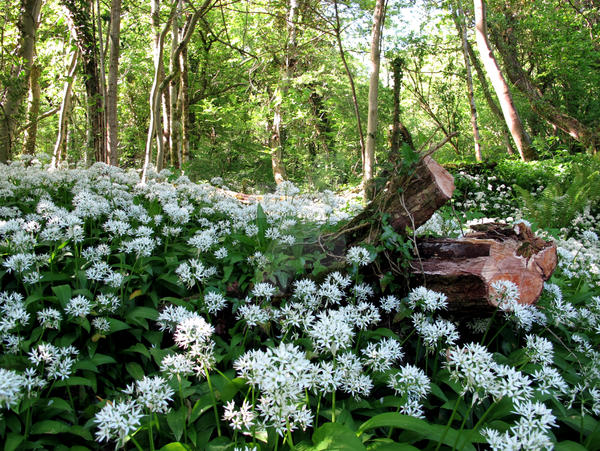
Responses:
[466,268]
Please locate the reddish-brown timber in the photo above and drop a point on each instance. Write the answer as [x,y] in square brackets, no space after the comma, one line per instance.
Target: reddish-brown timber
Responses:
[465,268]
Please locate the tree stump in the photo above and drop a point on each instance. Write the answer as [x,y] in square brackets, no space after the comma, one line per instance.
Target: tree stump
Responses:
[465,268]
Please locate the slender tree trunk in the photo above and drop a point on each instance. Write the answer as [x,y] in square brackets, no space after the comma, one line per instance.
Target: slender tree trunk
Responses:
[174,92]
[490,100]
[65,107]
[275,142]
[461,27]
[338,38]
[112,117]
[81,25]
[399,134]
[155,126]
[587,136]
[184,100]
[15,92]
[34,110]
[513,121]
[369,161]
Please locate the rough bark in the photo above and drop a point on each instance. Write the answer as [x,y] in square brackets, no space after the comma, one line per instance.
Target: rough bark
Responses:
[513,121]
[399,134]
[369,161]
[464,269]
[65,107]
[458,17]
[34,110]
[407,201]
[112,117]
[173,118]
[16,91]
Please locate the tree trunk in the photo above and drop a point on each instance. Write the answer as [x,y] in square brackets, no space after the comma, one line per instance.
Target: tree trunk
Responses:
[338,38]
[461,27]
[15,92]
[464,269]
[34,110]
[81,24]
[513,121]
[184,107]
[65,107]
[399,134]
[369,161]
[155,126]
[490,100]
[174,120]
[112,116]
[588,137]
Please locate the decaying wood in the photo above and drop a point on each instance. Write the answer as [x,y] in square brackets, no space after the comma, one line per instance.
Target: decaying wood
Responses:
[465,268]
[406,201]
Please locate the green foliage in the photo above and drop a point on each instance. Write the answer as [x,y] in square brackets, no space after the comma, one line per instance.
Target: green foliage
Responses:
[563,199]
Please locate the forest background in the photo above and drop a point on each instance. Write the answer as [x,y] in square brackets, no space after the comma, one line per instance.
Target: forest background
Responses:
[262,91]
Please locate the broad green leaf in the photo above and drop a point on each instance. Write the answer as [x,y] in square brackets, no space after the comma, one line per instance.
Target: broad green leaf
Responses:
[336,437]
[202,405]
[433,432]
[13,441]
[175,446]
[74,380]
[176,421]
[63,294]
[135,370]
[569,446]
[390,445]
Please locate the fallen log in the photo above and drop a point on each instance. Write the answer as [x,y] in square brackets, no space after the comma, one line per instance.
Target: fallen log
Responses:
[465,268]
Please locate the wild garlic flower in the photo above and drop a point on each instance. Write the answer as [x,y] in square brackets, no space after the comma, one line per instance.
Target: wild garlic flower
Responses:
[107,303]
[426,299]
[304,288]
[78,306]
[203,240]
[264,290]
[11,385]
[381,356]
[19,263]
[331,332]
[241,419]
[214,302]
[361,315]
[338,279]
[177,365]
[194,271]
[172,315]
[331,293]
[539,350]
[221,253]
[473,367]
[13,311]
[438,332]
[253,314]
[153,393]
[362,291]
[117,419]
[49,318]
[352,378]
[410,382]
[390,303]
[550,381]
[193,329]
[101,324]
[359,256]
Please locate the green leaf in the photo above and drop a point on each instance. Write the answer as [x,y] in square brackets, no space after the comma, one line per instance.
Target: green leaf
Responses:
[49,427]
[63,294]
[141,312]
[103,359]
[433,432]
[74,380]
[176,421]
[569,446]
[390,445]
[202,405]
[336,437]
[13,441]
[116,325]
[135,370]
[175,446]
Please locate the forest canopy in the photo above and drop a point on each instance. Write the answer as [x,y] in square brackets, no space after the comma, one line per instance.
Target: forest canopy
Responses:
[311,91]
